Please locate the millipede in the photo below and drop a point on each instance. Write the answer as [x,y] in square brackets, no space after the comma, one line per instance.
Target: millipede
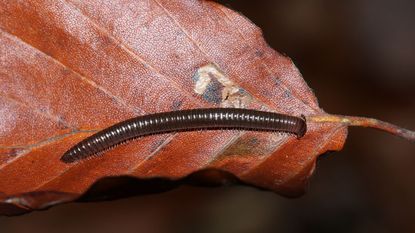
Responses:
[185,120]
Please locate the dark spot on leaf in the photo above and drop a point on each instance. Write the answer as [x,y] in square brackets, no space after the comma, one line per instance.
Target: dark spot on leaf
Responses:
[242,91]
[287,94]
[9,154]
[227,97]
[113,99]
[259,53]
[14,152]
[177,103]
[196,75]
[66,71]
[213,92]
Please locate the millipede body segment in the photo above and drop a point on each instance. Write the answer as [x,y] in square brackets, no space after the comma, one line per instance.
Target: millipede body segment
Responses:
[185,120]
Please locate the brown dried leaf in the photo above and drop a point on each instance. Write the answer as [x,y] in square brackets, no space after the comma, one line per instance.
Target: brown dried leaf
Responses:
[70,68]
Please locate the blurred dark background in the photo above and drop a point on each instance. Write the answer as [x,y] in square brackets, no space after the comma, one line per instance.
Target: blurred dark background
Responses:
[359,57]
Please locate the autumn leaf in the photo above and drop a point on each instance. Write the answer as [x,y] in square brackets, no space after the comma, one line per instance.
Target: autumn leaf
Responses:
[71,68]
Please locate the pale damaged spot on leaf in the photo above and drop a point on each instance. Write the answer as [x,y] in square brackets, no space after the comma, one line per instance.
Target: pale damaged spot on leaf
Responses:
[216,87]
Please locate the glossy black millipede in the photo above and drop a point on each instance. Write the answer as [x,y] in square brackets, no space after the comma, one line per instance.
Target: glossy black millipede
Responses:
[185,120]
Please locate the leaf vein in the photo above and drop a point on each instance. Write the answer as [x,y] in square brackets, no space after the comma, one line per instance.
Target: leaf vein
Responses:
[80,76]
[46,114]
[134,54]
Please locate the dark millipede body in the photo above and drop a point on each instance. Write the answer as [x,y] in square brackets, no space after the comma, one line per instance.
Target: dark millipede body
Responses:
[184,120]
